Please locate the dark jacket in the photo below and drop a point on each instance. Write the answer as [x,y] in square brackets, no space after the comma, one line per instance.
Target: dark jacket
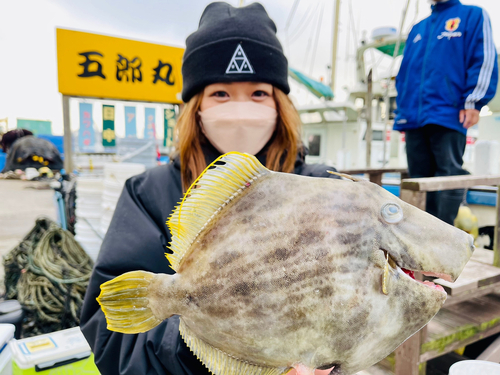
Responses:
[449,64]
[137,240]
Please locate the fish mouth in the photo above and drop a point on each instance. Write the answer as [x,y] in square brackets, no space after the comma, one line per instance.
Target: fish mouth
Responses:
[400,269]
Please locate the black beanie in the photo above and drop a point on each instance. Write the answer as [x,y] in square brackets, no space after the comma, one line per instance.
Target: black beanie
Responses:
[233,45]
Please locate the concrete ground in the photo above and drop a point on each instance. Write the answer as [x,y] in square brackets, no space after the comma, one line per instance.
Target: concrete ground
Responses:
[21,203]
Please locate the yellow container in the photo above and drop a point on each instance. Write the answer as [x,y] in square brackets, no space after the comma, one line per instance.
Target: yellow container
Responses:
[59,353]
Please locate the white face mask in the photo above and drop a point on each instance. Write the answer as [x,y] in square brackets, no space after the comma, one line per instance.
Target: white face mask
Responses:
[239,126]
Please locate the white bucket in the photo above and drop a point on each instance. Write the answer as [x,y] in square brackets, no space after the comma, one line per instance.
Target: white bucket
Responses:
[474,367]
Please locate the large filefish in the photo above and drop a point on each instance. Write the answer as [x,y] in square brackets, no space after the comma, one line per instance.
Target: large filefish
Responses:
[277,271]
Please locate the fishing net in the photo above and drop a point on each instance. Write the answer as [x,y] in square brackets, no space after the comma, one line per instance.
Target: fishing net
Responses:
[48,273]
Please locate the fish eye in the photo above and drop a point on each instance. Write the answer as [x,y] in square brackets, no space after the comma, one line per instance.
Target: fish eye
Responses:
[392,213]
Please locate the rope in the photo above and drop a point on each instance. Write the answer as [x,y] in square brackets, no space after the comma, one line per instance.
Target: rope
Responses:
[48,273]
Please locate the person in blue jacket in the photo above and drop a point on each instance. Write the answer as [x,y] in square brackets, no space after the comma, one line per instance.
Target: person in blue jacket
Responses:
[448,73]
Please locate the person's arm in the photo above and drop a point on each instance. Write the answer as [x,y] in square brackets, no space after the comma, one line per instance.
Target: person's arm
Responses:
[136,240]
[402,73]
[482,68]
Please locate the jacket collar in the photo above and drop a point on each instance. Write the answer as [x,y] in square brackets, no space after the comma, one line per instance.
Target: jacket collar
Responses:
[444,5]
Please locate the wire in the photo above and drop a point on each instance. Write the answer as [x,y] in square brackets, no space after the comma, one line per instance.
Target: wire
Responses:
[298,31]
[309,43]
[292,14]
[313,58]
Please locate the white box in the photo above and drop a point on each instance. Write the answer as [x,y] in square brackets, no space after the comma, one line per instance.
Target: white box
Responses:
[67,350]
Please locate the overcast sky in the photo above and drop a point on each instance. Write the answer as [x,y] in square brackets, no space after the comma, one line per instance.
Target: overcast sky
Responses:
[28,66]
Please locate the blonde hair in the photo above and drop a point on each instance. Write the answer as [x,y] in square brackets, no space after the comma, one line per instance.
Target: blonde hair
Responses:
[281,154]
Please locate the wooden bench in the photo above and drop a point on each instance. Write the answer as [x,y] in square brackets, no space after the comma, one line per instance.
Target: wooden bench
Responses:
[472,310]
[375,174]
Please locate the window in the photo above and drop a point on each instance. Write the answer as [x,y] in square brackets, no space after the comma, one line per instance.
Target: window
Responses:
[314,144]
[311,118]
[377,135]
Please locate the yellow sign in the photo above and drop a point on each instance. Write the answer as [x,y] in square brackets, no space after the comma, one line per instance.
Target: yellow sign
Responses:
[99,66]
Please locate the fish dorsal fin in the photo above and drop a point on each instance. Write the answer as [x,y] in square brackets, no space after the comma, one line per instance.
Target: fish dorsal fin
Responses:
[220,363]
[219,183]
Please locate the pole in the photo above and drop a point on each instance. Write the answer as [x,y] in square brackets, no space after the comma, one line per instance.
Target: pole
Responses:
[368,136]
[335,41]
[386,96]
[242,2]
[68,150]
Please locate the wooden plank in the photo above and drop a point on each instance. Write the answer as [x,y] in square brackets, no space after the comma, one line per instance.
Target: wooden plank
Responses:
[496,249]
[427,356]
[407,356]
[373,170]
[68,147]
[461,325]
[415,198]
[479,310]
[473,276]
[450,301]
[492,352]
[482,256]
[448,182]
[376,178]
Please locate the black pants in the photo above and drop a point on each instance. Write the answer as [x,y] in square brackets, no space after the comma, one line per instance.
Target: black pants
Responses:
[433,151]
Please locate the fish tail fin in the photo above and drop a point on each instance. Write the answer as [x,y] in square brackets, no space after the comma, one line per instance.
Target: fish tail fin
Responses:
[125,303]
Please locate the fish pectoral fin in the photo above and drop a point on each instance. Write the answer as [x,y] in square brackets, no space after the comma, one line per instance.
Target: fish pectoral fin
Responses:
[125,303]
[220,363]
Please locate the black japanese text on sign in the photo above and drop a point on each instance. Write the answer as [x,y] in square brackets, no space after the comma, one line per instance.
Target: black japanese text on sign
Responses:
[100,66]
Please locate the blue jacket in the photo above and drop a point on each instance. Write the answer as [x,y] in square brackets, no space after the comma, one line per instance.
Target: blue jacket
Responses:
[449,64]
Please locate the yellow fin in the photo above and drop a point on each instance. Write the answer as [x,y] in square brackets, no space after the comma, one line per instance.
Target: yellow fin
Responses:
[220,363]
[219,183]
[124,301]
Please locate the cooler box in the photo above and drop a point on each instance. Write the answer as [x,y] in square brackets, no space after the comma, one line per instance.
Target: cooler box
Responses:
[6,334]
[63,353]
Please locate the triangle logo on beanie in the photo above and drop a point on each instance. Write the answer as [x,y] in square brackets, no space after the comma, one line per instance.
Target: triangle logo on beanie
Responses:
[239,64]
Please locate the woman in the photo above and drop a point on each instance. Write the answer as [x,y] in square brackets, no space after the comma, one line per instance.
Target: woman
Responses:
[235,88]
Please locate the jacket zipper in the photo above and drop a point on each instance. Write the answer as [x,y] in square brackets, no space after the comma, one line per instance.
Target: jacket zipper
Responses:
[431,36]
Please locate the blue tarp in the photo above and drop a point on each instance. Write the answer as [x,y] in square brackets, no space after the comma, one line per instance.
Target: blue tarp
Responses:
[317,88]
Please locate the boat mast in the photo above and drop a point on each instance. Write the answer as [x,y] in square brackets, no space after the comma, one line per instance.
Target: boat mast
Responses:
[335,41]
[389,80]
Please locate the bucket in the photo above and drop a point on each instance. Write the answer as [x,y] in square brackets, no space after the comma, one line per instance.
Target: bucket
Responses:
[473,367]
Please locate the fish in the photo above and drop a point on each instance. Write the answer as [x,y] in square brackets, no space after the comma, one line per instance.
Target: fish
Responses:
[278,272]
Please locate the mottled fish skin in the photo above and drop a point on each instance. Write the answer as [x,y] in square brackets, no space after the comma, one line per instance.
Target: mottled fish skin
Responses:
[292,269]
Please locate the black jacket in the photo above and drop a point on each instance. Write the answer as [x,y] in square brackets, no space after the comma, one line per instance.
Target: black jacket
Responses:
[136,240]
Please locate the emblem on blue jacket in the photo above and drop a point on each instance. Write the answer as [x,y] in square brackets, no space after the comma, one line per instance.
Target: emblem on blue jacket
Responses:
[452,24]
[451,27]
